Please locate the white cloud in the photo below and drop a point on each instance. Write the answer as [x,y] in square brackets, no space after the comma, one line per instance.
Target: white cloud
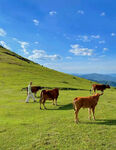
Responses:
[113,34]
[103,14]
[36,22]
[36,42]
[80,51]
[86,38]
[80,12]
[101,42]
[42,55]
[51,13]
[83,38]
[105,49]
[4,45]
[2,32]
[23,45]
[95,36]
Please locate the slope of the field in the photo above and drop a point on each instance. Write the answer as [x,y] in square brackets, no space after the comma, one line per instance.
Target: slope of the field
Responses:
[25,127]
[17,71]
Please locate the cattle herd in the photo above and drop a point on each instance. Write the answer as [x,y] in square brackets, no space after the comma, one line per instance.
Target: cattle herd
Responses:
[89,102]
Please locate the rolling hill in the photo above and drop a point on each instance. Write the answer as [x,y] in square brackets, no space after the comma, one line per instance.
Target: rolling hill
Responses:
[25,127]
[16,69]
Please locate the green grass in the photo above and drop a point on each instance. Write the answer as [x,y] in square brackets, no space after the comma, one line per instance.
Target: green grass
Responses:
[26,127]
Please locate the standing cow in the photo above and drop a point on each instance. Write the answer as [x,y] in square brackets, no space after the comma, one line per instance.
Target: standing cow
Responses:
[49,95]
[100,87]
[86,102]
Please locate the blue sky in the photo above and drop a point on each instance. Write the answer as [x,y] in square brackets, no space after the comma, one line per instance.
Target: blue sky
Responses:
[72,36]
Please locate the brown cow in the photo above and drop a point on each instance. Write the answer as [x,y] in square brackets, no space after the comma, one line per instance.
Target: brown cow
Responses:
[100,87]
[34,89]
[86,102]
[49,95]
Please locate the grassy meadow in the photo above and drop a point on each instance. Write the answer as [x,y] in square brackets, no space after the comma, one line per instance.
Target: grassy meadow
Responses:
[23,126]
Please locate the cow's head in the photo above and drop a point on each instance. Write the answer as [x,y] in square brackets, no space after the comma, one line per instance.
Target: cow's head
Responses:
[107,86]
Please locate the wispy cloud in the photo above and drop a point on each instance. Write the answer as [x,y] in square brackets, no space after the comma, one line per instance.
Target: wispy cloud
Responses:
[113,34]
[105,49]
[95,36]
[96,58]
[103,14]
[42,55]
[83,38]
[23,45]
[36,22]
[2,32]
[4,45]
[77,50]
[102,42]
[51,13]
[36,42]
[80,12]
[87,38]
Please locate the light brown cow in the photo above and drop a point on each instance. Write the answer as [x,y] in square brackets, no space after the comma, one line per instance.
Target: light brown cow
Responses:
[49,95]
[100,87]
[86,102]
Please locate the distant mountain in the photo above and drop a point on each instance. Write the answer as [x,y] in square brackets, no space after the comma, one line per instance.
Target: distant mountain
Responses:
[113,74]
[101,78]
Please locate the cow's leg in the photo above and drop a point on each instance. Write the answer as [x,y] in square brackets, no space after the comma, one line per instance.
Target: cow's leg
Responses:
[89,110]
[44,104]
[35,94]
[40,102]
[91,90]
[102,91]
[56,101]
[94,91]
[53,102]
[76,115]
[93,110]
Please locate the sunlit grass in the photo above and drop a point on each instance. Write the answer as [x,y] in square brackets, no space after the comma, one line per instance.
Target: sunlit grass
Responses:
[26,127]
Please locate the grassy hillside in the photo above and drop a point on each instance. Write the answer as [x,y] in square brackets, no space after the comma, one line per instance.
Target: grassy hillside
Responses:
[25,127]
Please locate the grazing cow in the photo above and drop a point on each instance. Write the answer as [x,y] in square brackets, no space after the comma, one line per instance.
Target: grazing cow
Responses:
[100,87]
[49,95]
[34,89]
[86,102]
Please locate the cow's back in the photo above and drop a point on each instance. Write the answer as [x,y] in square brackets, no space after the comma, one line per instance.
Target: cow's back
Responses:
[86,102]
[98,86]
[54,93]
[50,94]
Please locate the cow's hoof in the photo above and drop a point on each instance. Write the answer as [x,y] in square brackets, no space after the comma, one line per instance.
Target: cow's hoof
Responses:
[76,121]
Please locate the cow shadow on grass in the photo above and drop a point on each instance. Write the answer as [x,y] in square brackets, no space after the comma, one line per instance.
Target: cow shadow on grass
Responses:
[102,122]
[66,107]
[63,107]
